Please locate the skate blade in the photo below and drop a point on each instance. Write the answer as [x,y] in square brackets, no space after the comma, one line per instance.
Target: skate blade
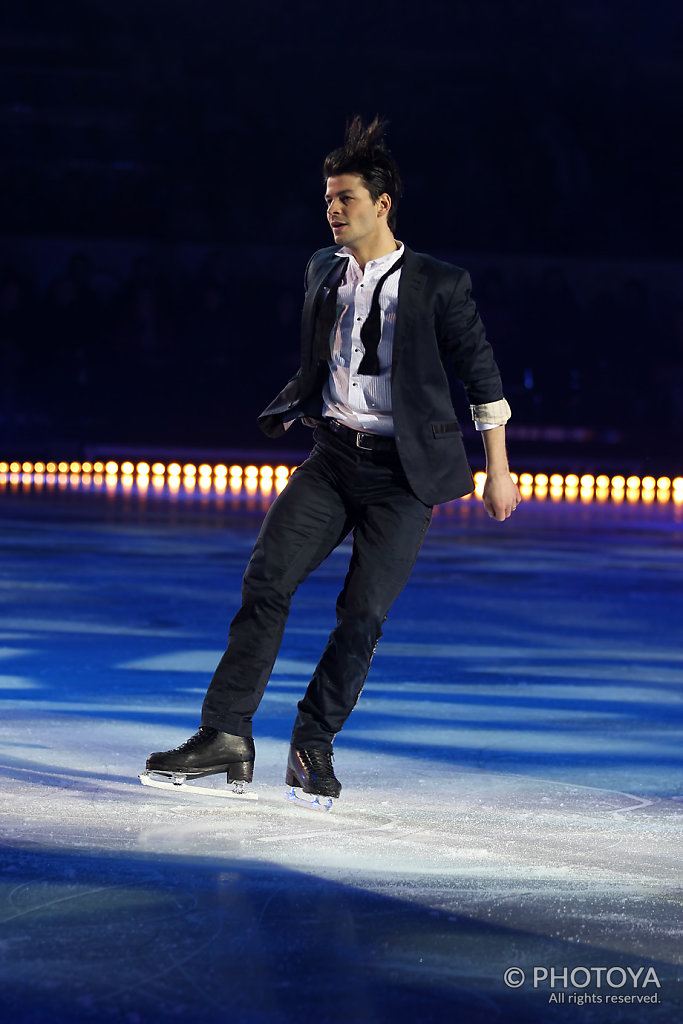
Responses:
[182,787]
[314,803]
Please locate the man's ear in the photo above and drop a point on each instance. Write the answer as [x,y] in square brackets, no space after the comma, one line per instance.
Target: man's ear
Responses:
[383,205]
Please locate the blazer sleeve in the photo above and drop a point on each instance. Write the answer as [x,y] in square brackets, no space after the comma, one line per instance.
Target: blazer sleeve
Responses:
[462,339]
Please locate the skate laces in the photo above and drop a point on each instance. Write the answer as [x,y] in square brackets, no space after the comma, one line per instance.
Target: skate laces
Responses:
[200,736]
[318,761]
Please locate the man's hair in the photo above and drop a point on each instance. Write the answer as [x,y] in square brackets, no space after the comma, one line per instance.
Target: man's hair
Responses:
[364,153]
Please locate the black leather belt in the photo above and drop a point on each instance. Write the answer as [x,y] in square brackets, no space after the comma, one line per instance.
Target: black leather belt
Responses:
[367,442]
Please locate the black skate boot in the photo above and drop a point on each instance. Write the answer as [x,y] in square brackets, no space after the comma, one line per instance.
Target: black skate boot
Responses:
[312,771]
[208,752]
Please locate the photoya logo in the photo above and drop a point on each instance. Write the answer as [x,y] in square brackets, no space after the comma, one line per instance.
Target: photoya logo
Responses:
[584,977]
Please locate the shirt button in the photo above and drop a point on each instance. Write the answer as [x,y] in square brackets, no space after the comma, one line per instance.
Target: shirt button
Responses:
[358,319]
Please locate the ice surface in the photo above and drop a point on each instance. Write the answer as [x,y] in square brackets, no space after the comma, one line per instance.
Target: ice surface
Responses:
[512,775]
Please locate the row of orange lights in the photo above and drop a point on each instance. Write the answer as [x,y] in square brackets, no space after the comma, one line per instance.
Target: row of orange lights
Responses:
[174,469]
[587,481]
[601,487]
[251,476]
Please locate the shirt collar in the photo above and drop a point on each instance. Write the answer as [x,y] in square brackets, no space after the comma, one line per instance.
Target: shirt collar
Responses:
[383,262]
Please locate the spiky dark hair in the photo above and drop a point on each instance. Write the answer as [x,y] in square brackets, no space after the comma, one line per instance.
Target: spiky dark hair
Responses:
[365,153]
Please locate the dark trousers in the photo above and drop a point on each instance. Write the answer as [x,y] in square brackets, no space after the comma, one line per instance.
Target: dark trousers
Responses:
[338,489]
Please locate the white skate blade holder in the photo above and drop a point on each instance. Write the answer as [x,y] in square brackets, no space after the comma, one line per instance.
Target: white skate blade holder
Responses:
[177,784]
[314,803]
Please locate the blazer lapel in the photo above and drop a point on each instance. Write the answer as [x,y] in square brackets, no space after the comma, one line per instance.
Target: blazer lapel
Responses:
[317,274]
[412,282]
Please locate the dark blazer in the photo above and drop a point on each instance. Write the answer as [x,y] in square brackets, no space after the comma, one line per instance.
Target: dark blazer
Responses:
[436,321]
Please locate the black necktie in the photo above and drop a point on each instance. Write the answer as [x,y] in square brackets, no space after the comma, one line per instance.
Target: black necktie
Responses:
[370,331]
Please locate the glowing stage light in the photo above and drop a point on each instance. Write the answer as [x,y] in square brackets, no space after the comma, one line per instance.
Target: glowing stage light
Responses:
[39,467]
[281,472]
[220,472]
[51,467]
[205,483]
[27,467]
[189,469]
[587,480]
[541,480]
[525,479]
[75,467]
[618,483]
[111,468]
[251,472]
[514,477]
[127,468]
[98,467]
[663,483]
[633,483]
[86,467]
[205,471]
[142,469]
[236,472]
[4,467]
[281,483]
[251,483]
[63,467]
[557,480]
[174,469]
[110,480]
[648,483]
[266,472]
[157,481]
[677,483]
[571,480]
[602,481]
[158,469]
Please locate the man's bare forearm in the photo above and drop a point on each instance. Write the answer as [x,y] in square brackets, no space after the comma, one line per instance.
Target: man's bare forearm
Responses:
[501,495]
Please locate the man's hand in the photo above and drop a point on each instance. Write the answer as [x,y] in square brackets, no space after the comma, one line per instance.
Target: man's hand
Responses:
[500,496]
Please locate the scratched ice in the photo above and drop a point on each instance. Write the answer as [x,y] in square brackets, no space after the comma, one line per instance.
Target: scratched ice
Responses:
[512,775]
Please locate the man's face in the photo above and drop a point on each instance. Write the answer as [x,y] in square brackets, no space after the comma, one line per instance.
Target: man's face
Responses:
[353,215]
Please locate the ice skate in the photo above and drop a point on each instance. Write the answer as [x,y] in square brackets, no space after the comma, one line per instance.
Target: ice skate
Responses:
[208,752]
[312,772]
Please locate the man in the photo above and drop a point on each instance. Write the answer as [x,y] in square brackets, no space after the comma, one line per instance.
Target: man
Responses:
[379,321]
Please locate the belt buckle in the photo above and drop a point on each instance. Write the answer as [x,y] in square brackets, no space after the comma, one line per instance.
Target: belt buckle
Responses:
[363,447]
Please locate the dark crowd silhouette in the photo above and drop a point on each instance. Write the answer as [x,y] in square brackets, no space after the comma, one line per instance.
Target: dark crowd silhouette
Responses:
[164,355]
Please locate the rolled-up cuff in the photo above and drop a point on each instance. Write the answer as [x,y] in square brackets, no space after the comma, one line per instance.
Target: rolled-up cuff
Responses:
[491,414]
